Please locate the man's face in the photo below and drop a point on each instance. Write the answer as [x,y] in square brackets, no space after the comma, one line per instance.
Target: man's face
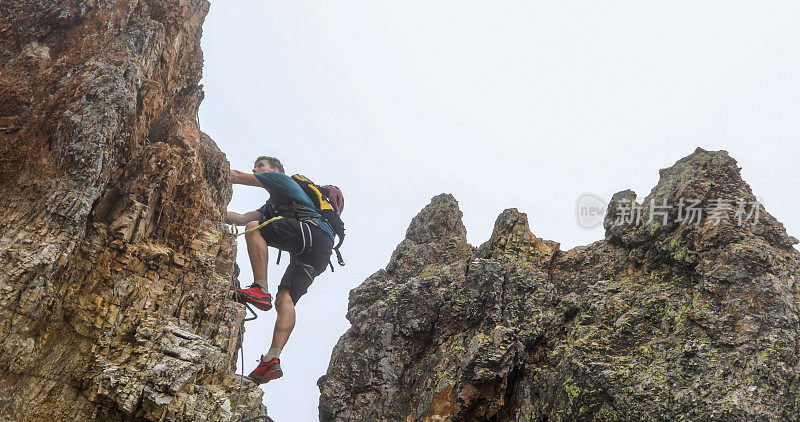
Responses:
[262,167]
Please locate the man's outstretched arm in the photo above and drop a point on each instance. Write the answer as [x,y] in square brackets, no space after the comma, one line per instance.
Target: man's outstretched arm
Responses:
[241,178]
[241,219]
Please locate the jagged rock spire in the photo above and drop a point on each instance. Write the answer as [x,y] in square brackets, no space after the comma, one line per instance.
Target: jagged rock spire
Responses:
[657,321]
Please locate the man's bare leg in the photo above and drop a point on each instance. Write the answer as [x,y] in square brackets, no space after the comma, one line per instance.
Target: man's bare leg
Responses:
[269,368]
[284,325]
[258,252]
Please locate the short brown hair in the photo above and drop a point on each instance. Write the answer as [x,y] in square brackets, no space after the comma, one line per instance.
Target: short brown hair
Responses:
[272,161]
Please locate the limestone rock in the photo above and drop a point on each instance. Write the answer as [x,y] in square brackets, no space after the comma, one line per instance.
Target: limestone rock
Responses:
[115,268]
[662,320]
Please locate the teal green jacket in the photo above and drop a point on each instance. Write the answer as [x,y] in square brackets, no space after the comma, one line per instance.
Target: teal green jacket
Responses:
[283,190]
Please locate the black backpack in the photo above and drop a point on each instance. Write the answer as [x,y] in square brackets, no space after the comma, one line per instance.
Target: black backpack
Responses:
[328,201]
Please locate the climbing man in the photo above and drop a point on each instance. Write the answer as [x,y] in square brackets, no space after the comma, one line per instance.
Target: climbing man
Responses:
[293,225]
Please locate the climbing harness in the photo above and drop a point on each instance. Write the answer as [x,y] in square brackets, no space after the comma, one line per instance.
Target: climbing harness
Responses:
[305,230]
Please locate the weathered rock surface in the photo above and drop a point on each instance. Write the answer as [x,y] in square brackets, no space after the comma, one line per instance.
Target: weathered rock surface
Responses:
[661,320]
[115,268]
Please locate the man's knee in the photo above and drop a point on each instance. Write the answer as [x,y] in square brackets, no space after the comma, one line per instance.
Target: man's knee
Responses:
[284,299]
[252,225]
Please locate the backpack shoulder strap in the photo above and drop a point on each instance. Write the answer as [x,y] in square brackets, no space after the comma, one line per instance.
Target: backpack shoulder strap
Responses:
[313,191]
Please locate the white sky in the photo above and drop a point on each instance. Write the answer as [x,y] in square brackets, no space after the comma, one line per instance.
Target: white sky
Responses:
[522,104]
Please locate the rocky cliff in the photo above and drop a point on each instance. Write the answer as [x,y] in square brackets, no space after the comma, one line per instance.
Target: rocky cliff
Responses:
[115,270]
[683,316]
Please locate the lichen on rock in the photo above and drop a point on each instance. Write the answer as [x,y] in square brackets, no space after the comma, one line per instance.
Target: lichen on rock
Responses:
[675,321]
[115,266]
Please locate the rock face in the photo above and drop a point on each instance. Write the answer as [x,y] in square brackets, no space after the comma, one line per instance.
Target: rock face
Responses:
[115,268]
[661,320]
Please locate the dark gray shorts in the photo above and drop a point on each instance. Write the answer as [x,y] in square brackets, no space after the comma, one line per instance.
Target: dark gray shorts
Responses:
[310,248]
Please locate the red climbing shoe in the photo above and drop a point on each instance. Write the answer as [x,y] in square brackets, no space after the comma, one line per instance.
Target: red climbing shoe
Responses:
[256,296]
[266,371]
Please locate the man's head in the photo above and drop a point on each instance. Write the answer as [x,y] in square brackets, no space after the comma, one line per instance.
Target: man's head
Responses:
[265,164]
